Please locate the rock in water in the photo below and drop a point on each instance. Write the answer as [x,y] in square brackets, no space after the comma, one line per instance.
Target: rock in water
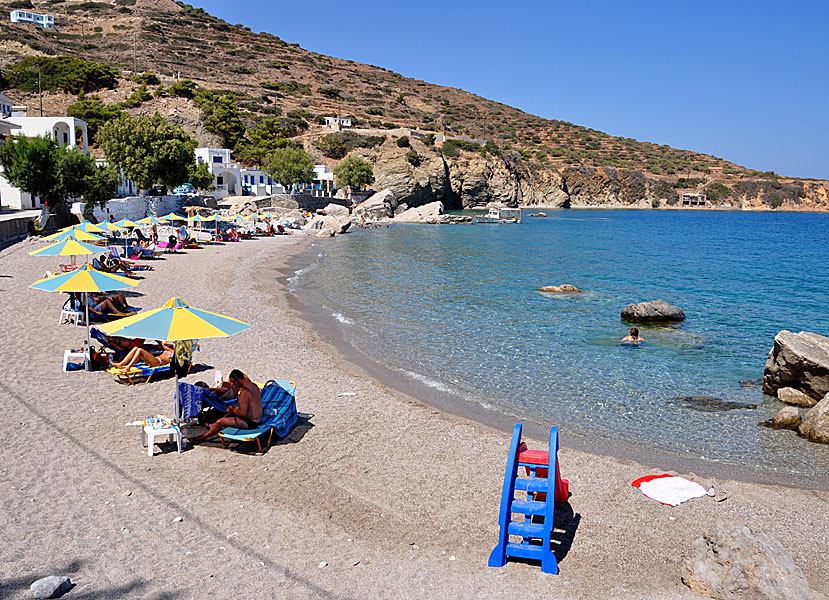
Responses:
[325,232]
[564,288]
[795,397]
[655,311]
[798,360]
[51,587]
[335,210]
[710,403]
[815,425]
[377,207]
[419,214]
[787,418]
[733,562]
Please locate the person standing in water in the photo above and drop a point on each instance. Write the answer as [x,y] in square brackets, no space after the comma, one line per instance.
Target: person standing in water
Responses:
[633,337]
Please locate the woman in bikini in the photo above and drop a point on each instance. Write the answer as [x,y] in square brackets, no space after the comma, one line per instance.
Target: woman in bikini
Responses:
[139,354]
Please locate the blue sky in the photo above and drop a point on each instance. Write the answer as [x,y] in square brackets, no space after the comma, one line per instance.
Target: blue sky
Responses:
[746,81]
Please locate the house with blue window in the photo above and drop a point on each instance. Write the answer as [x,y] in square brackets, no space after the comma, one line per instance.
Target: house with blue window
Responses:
[5,106]
[227,176]
[28,17]
[258,183]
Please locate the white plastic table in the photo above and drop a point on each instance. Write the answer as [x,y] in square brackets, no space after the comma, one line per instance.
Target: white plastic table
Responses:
[149,433]
[70,354]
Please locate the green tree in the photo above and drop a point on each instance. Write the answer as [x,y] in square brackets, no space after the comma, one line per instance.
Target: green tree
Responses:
[149,150]
[186,88]
[289,166]
[220,115]
[266,137]
[73,75]
[55,173]
[95,113]
[200,177]
[403,142]
[354,173]
[139,95]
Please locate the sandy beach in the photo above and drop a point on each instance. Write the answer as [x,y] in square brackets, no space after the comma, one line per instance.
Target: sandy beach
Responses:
[375,495]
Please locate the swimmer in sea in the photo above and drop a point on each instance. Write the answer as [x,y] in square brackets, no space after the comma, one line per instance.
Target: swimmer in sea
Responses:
[633,337]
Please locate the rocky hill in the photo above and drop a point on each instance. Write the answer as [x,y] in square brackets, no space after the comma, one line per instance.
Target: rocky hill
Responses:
[515,157]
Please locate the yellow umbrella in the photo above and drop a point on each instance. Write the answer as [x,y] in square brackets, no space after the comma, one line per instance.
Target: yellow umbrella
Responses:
[126,223]
[85,279]
[152,219]
[73,233]
[68,247]
[172,217]
[106,225]
[90,227]
[175,321]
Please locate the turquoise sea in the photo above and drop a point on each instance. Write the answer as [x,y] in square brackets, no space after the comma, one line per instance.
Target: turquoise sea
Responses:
[456,308]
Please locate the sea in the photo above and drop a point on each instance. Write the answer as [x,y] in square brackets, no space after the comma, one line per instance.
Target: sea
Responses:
[456,310]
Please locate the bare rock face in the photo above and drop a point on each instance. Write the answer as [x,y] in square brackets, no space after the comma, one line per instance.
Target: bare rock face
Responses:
[564,288]
[243,207]
[815,425]
[798,360]
[377,207]
[787,418]
[732,562]
[325,232]
[655,311]
[413,185]
[419,214]
[795,397]
[335,210]
[336,224]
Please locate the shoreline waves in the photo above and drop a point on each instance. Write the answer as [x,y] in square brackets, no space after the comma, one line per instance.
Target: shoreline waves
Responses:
[373,495]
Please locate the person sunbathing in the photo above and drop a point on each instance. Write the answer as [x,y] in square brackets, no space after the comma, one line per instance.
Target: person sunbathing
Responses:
[109,264]
[138,354]
[247,415]
[102,308]
[118,300]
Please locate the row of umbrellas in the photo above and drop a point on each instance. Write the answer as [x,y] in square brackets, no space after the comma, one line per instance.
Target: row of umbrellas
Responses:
[174,321]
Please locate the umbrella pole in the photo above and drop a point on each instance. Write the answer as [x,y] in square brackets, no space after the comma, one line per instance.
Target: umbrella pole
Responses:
[88,356]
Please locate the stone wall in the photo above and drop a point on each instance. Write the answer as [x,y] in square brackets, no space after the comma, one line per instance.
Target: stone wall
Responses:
[300,201]
[137,207]
[13,229]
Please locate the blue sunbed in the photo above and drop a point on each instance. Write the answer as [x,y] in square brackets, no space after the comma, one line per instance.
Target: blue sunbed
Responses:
[278,415]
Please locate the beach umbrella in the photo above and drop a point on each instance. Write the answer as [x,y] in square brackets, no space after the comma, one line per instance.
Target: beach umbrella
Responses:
[90,227]
[74,234]
[67,247]
[172,217]
[175,321]
[152,220]
[127,224]
[85,279]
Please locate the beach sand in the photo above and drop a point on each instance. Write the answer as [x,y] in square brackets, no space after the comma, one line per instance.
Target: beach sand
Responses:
[373,496]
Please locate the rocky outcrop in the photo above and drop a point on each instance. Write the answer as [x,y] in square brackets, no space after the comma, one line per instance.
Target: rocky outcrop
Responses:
[733,562]
[798,360]
[448,219]
[325,232]
[564,288]
[787,418]
[795,397]
[655,311]
[334,210]
[419,214]
[377,207]
[335,224]
[815,425]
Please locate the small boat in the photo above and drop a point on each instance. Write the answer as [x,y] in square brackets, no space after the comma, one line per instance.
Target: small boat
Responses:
[499,214]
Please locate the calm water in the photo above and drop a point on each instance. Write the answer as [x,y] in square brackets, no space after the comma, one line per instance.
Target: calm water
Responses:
[456,308]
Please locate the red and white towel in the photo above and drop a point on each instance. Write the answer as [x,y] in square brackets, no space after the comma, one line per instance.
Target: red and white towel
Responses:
[669,489]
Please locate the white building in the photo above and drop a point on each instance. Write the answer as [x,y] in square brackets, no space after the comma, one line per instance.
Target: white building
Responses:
[5,106]
[66,131]
[337,123]
[258,183]
[32,18]
[227,175]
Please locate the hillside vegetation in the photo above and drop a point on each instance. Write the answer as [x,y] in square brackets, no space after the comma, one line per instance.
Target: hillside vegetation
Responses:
[253,91]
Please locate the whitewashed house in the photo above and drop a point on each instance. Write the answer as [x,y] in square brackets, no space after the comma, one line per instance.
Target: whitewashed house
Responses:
[227,175]
[66,131]
[46,21]
[337,123]
[5,106]
[258,183]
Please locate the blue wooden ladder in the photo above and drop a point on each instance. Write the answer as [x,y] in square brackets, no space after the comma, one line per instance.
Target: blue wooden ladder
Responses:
[536,507]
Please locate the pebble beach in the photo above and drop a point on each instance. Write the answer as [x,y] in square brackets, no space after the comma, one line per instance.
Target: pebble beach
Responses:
[372,495]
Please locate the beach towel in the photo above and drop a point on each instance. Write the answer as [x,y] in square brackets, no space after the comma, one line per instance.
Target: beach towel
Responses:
[668,489]
[192,398]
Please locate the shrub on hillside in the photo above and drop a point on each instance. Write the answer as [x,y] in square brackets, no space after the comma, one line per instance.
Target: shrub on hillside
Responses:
[375,110]
[403,142]
[337,145]
[451,147]
[413,157]
[186,88]
[716,191]
[330,92]
[73,75]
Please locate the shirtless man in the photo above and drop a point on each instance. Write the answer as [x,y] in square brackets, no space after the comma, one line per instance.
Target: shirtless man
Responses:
[633,337]
[245,416]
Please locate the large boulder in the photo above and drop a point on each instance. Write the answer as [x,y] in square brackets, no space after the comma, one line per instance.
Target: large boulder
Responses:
[655,311]
[798,360]
[325,232]
[815,426]
[419,214]
[244,207]
[335,210]
[337,224]
[53,586]
[377,207]
[448,219]
[733,562]
[795,397]
[787,418]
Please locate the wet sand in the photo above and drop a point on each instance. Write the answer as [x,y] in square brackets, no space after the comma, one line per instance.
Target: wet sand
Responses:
[399,499]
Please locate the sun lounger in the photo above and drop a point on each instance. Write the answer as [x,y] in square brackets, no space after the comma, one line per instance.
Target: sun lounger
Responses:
[113,252]
[137,372]
[278,415]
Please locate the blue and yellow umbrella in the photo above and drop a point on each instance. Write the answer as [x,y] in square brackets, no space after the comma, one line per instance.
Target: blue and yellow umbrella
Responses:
[84,279]
[68,247]
[152,220]
[172,217]
[127,224]
[73,233]
[175,321]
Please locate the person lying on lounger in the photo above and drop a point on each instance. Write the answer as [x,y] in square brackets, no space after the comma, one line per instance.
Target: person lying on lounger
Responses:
[247,415]
[102,308]
[108,264]
[140,355]
[118,300]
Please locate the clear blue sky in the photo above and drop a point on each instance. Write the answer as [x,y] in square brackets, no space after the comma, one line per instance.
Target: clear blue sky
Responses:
[746,81]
